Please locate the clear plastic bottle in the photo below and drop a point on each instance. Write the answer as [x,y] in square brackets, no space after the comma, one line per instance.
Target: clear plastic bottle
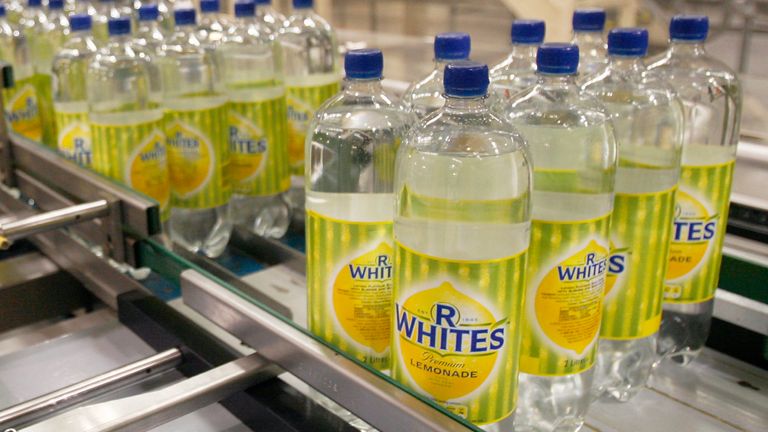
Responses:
[588,27]
[574,157]
[310,57]
[7,37]
[269,16]
[70,97]
[462,229]
[148,32]
[13,10]
[126,125]
[213,23]
[647,119]
[350,168]
[711,97]
[426,95]
[166,8]
[58,22]
[198,145]
[249,59]
[43,45]
[85,7]
[518,71]
[106,10]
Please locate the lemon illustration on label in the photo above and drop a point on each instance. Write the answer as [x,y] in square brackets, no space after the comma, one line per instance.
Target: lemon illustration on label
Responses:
[23,113]
[568,300]
[248,149]
[147,169]
[617,269]
[692,232]
[362,293]
[449,342]
[75,143]
[191,159]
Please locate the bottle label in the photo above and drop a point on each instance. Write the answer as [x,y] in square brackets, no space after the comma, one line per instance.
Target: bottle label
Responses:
[22,109]
[74,141]
[457,331]
[134,154]
[634,286]
[44,86]
[303,101]
[349,282]
[198,157]
[567,265]
[698,231]
[258,147]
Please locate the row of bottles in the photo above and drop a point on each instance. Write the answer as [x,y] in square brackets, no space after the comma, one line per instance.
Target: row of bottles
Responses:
[550,221]
[208,119]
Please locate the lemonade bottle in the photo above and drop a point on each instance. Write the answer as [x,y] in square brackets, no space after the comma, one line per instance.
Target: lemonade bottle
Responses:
[198,144]
[148,33]
[350,166]
[574,157]
[8,38]
[648,124]
[58,22]
[213,23]
[104,11]
[126,126]
[426,95]
[258,135]
[269,16]
[70,97]
[462,229]
[588,26]
[711,96]
[310,56]
[13,10]
[518,71]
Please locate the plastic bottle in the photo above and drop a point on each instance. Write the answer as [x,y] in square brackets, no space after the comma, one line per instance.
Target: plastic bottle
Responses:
[711,96]
[647,119]
[310,56]
[148,33]
[462,230]
[351,155]
[198,145]
[70,97]
[126,125]
[518,71]
[105,11]
[574,157]
[166,8]
[258,136]
[588,27]
[269,16]
[426,95]
[213,23]
[7,37]
[43,42]
[58,22]
[13,10]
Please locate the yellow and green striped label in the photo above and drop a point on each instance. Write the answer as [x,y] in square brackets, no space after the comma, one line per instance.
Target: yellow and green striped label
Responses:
[698,231]
[634,286]
[567,264]
[349,284]
[134,154]
[303,101]
[44,84]
[198,157]
[258,144]
[457,329]
[74,140]
[22,109]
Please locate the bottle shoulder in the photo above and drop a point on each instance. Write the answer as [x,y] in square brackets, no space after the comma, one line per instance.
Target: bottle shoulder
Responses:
[363,111]
[432,83]
[701,79]
[555,106]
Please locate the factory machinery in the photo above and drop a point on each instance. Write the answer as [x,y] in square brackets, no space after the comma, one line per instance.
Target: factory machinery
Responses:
[105,327]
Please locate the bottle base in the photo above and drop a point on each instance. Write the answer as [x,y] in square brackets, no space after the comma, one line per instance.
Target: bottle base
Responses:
[553,403]
[204,231]
[266,216]
[623,367]
[684,330]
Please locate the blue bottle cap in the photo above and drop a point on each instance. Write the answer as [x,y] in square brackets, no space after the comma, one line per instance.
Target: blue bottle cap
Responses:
[689,27]
[119,26]
[244,9]
[149,12]
[184,17]
[34,3]
[55,4]
[80,22]
[452,46]
[557,59]
[528,31]
[2,10]
[302,4]
[209,6]
[364,63]
[588,19]
[629,41]
[466,79]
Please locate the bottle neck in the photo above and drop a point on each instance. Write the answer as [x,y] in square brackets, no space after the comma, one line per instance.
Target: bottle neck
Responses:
[626,64]
[367,86]
[687,48]
[520,50]
[588,37]
[473,104]
[303,12]
[560,80]
[148,26]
